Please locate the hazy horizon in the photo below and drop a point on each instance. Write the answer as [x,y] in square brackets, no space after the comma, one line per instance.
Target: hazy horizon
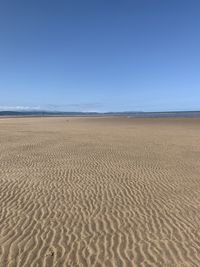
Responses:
[37,110]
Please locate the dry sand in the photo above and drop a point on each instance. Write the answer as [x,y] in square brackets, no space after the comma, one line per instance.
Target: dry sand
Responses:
[99,192]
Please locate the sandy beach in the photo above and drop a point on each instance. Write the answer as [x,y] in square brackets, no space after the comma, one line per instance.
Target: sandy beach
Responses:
[99,192]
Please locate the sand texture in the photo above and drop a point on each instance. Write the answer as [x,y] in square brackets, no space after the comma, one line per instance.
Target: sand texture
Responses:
[99,192]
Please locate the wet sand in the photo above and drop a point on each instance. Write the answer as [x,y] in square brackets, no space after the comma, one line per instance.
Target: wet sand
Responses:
[99,192]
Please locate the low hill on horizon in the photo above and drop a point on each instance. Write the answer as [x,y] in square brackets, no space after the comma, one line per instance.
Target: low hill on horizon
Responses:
[125,113]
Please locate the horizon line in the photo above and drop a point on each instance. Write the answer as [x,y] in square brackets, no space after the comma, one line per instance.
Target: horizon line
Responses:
[93,112]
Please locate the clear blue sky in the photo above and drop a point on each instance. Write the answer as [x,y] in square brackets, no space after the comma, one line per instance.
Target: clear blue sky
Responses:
[100,55]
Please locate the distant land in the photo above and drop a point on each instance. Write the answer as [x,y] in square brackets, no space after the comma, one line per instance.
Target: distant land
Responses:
[164,114]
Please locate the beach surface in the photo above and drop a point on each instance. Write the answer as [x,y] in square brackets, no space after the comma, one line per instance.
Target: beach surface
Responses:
[99,192]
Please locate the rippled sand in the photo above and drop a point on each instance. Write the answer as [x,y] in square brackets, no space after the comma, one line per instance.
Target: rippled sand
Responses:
[99,192]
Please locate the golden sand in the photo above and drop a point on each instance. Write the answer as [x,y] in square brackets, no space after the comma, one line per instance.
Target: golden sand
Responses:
[99,192]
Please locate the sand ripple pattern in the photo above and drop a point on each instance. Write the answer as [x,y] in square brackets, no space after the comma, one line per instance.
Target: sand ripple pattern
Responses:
[99,192]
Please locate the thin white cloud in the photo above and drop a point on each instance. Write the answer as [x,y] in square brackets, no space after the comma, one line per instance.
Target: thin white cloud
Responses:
[77,107]
[19,108]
